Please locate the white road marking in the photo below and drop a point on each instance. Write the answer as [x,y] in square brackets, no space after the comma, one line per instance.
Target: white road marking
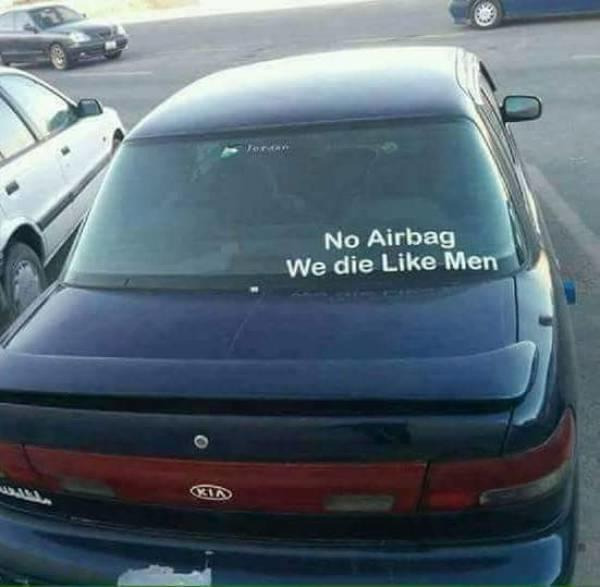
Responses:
[441,35]
[370,40]
[585,57]
[403,38]
[111,73]
[585,238]
[198,50]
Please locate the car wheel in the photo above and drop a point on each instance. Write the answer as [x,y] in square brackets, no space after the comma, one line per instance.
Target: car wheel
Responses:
[486,14]
[114,55]
[24,278]
[59,57]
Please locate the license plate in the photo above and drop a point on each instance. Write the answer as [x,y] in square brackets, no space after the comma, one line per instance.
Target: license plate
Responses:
[110,45]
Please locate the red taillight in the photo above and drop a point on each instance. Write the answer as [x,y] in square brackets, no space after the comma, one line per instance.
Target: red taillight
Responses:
[15,465]
[271,487]
[300,487]
[487,482]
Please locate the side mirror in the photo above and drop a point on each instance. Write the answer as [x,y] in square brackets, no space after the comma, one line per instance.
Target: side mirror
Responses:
[521,108]
[89,107]
[30,28]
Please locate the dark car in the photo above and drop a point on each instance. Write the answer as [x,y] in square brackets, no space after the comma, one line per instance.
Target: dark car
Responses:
[487,14]
[313,331]
[57,33]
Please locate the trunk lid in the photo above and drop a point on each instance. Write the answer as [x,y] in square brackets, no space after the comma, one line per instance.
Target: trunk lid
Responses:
[415,323]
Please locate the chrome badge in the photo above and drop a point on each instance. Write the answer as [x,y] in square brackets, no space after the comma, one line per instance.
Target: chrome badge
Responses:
[211,493]
[25,494]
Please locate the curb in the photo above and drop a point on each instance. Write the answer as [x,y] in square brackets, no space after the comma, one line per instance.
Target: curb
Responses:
[222,7]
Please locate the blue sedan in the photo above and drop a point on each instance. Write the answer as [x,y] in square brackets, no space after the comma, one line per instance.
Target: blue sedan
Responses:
[487,14]
[312,332]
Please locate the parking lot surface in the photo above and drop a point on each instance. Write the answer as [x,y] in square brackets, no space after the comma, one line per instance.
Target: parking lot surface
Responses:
[557,59]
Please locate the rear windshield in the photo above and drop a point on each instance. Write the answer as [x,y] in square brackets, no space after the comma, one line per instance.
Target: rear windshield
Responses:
[376,205]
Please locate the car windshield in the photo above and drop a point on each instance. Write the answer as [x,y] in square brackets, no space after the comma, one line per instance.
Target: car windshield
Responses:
[46,18]
[370,204]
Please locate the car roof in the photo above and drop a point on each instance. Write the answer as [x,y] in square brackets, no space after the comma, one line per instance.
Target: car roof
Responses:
[13,71]
[340,86]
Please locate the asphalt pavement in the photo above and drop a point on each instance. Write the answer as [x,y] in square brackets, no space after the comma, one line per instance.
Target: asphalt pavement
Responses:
[557,59]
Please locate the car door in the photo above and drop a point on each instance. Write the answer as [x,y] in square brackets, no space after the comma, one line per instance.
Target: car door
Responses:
[492,107]
[89,145]
[50,116]
[586,5]
[30,175]
[29,43]
[536,7]
[541,7]
[506,141]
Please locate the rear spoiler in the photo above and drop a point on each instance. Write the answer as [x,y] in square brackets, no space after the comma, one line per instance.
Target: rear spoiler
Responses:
[503,375]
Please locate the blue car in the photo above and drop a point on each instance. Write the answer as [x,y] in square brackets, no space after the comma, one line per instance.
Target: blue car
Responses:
[487,14]
[312,331]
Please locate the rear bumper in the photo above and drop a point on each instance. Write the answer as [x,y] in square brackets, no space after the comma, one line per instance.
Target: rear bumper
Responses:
[51,552]
[96,48]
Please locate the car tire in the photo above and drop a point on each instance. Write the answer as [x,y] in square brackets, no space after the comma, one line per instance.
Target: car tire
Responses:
[59,58]
[24,278]
[112,56]
[486,14]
